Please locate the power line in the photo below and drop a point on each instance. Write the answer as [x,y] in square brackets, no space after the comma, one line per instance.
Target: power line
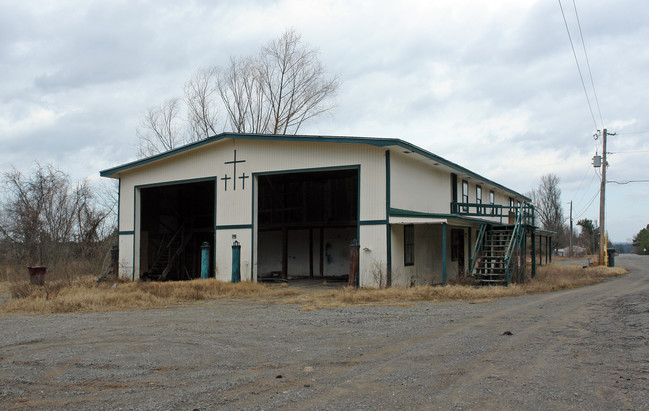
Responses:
[590,73]
[583,211]
[578,67]
[628,152]
[627,182]
[635,132]
[586,189]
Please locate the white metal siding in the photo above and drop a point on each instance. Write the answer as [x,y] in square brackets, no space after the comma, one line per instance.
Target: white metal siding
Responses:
[416,186]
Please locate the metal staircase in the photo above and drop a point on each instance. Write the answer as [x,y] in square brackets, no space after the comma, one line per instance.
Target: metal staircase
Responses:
[490,267]
[499,253]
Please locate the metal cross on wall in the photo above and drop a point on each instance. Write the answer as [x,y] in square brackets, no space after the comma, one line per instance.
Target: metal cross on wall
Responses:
[225,179]
[234,180]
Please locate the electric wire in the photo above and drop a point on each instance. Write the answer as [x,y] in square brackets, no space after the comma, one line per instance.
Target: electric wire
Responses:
[581,77]
[634,132]
[586,189]
[583,179]
[590,73]
[583,211]
[627,182]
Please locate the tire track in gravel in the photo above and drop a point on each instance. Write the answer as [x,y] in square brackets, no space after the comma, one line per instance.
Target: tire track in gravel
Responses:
[537,321]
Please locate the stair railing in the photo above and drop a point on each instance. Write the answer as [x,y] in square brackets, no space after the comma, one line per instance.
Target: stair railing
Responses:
[477,249]
[524,216]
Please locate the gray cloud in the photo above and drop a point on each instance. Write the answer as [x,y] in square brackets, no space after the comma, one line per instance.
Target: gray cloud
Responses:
[491,85]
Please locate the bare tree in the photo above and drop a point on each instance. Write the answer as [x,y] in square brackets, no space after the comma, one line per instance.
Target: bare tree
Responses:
[242,95]
[43,217]
[161,128]
[295,83]
[275,92]
[547,201]
[201,95]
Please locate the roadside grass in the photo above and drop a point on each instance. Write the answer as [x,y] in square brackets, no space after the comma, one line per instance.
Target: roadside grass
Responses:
[84,294]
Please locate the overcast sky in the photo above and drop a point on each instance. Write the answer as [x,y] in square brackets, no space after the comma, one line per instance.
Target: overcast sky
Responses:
[491,85]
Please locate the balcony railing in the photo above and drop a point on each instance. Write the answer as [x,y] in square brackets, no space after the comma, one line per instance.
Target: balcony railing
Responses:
[504,214]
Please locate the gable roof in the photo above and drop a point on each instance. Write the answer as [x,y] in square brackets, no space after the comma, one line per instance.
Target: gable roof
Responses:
[392,143]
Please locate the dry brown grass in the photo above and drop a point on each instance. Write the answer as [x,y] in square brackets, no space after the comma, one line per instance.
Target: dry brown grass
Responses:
[85,294]
[558,277]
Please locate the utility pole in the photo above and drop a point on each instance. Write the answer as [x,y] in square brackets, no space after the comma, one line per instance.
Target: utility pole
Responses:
[570,253]
[602,203]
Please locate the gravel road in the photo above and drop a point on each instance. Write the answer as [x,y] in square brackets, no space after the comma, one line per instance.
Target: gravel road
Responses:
[578,349]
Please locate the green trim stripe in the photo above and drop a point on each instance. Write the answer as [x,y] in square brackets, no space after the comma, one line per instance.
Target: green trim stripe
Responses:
[174,182]
[396,212]
[233,227]
[373,222]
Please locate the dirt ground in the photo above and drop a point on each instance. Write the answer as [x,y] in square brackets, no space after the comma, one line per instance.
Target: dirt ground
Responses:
[585,348]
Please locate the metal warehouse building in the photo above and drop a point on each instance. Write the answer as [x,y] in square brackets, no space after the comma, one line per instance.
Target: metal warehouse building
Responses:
[291,206]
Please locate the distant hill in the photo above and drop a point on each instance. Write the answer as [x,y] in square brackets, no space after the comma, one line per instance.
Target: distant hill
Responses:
[623,248]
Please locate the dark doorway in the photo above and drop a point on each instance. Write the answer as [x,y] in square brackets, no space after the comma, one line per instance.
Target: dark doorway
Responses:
[306,222]
[175,221]
[457,248]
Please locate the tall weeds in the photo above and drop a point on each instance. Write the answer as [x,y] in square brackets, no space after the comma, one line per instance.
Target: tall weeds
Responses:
[81,294]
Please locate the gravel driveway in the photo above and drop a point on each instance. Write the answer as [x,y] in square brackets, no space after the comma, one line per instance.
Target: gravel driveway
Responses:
[579,349]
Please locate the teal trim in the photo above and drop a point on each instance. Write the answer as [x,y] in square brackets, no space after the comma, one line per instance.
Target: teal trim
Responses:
[185,181]
[119,202]
[377,142]
[216,190]
[388,233]
[302,170]
[252,232]
[373,222]
[308,170]
[134,225]
[168,183]
[233,227]
[126,232]
[396,212]
[444,253]
[358,208]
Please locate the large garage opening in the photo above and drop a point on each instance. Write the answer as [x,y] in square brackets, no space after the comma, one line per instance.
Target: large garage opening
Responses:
[176,221]
[306,223]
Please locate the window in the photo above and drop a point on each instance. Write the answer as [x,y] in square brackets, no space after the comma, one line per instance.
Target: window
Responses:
[478,198]
[492,201]
[408,245]
[465,195]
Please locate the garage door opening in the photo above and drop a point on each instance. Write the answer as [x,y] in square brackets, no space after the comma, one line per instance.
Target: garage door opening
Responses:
[176,220]
[306,223]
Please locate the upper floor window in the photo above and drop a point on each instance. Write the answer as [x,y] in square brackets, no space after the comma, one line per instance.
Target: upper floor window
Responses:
[465,195]
[492,201]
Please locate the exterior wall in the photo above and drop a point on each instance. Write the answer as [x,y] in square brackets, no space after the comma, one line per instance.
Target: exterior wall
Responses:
[373,256]
[500,197]
[428,267]
[234,206]
[417,186]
